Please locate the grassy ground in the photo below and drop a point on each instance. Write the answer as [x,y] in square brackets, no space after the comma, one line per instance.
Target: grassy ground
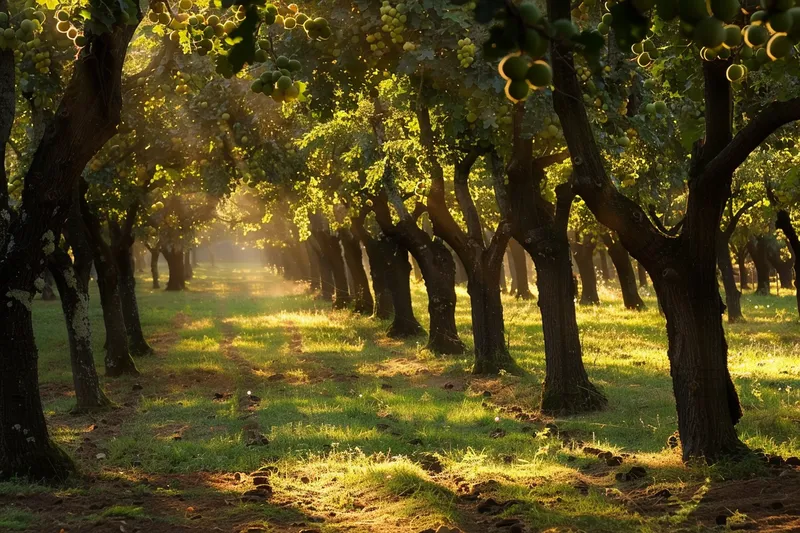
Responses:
[369,434]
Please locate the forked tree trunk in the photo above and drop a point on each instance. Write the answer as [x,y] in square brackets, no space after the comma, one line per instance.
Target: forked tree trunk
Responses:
[605,271]
[757,248]
[682,268]
[177,278]
[362,297]
[74,290]
[784,223]
[642,273]
[583,252]
[627,278]
[517,252]
[398,273]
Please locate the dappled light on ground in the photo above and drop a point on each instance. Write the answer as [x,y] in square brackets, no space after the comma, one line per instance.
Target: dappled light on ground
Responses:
[253,381]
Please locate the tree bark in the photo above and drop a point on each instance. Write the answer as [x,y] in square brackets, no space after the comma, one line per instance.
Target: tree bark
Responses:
[741,261]
[757,248]
[583,252]
[118,359]
[627,278]
[784,267]
[155,252]
[520,267]
[74,290]
[378,264]
[122,241]
[362,297]
[174,257]
[733,297]
[682,268]
[784,223]
[398,270]
[331,248]
[325,271]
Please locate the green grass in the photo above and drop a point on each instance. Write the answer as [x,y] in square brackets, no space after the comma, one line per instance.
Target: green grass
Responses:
[355,411]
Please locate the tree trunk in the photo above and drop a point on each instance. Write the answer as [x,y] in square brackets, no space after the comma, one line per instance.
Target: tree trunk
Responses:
[188,272]
[784,223]
[325,271]
[130,305]
[378,265]
[314,270]
[74,290]
[567,388]
[118,359]
[583,252]
[174,257]
[783,267]
[155,252]
[330,247]
[627,278]
[757,248]
[193,253]
[398,273]
[741,261]
[461,273]
[488,326]
[605,271]
[707,403]
[642,273]
[733,297]
[48,294]
[362,297]
[520,267]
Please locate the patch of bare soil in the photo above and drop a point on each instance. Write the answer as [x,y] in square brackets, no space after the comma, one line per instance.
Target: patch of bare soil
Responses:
[769,504]
[153,504]
[162,342]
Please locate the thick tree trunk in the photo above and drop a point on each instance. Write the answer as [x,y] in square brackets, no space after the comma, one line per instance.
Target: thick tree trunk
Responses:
[757,248]
[627,278]
[188,272]
[74,290]
[520,267]
[642,273]
[177,278]
[398,274]
[583,252]
[707,403]
[362,297]
[605,271]
[733,297]
[784,223]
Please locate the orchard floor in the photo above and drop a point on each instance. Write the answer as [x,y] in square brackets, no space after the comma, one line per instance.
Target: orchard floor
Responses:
[369,434]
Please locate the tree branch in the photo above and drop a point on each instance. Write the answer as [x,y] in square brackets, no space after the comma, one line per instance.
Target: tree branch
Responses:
[731,227]
[464,198]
